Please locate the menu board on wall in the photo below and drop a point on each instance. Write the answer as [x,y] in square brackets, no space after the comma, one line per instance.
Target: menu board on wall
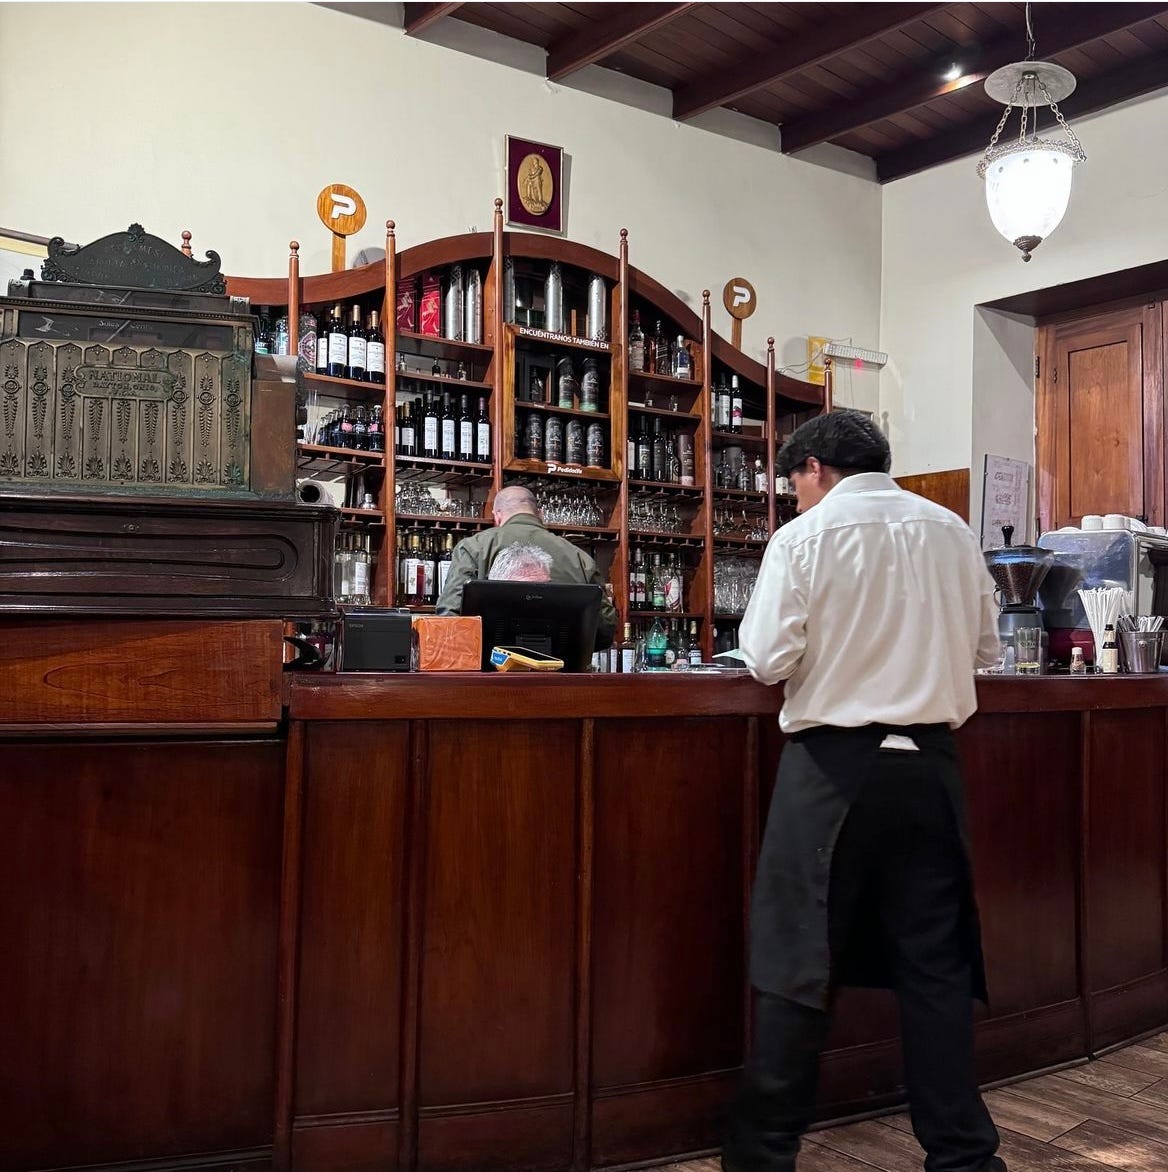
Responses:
[1005,501]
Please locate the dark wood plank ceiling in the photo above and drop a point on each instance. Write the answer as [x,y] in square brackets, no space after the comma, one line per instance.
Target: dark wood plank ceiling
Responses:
[875,78]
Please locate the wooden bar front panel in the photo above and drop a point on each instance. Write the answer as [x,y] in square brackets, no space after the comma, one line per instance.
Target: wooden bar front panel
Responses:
[139,895]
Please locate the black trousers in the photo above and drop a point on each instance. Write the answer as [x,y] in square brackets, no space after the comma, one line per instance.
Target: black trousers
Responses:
[898,857]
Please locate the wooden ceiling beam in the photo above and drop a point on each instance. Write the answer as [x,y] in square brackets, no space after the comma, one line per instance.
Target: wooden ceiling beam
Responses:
[1078,26]
[847,28]
[421,16]
[1133,79]
[607,35]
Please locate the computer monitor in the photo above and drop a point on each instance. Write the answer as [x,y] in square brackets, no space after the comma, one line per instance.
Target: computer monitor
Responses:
[552,617]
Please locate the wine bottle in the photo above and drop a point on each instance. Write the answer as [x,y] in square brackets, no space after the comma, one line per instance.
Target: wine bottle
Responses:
[338,344]
[355,360]
[430,428]
[449,430]
[483,434]
[466,430]
[636,343]
[374,351]
[322,343]
[735,405]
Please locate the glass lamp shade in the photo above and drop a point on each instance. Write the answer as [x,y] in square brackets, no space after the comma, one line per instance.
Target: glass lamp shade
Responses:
[1027,192]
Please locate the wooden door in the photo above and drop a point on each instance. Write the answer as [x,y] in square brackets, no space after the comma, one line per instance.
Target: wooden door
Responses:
[1100,433]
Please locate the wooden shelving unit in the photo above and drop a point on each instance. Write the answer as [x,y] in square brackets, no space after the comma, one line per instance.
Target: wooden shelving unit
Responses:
[774,404]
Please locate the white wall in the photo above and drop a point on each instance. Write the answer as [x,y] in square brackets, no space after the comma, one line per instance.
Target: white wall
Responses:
[942,257]
[227,119]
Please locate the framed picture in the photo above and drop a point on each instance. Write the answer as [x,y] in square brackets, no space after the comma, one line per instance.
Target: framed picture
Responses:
[535,184]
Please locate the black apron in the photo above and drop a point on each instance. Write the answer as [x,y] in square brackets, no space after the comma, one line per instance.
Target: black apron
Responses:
[821,772]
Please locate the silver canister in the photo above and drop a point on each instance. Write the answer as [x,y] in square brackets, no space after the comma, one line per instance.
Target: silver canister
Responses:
[574,442]
[594,444]
[472,304]
[452,306]
[553,300]
[597,309]
[508,290]
[553,439]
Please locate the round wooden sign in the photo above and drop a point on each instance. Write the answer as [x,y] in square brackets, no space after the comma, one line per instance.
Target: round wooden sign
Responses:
[341,209]
[739,298]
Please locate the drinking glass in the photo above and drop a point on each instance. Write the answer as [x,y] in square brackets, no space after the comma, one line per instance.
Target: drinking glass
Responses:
[1027,641]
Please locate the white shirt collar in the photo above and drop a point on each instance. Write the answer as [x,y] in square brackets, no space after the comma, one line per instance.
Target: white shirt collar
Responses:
[863,482]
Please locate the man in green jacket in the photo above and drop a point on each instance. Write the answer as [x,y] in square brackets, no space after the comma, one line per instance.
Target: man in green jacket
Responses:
[517,523]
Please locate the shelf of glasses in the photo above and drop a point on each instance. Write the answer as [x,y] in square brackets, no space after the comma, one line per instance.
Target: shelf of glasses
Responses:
[659,537]
[740,543]
[443,519]
[431,346]
[441,471]
[322,458]
[598,532]
[663,488]
[737,439]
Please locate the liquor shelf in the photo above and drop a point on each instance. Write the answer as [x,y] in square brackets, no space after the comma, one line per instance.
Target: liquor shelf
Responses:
[412,342]
[322,458]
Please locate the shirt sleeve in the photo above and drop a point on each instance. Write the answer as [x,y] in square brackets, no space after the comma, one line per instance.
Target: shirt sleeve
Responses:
[463,569]
[773,633]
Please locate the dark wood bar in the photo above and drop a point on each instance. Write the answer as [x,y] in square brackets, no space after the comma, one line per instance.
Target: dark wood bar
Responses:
[467,922]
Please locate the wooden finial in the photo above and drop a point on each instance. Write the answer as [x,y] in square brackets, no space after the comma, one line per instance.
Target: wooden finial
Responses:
[389,227]
[705,297]
[770,343]
[294,245]
[186,242]
[624,233]
[498,203]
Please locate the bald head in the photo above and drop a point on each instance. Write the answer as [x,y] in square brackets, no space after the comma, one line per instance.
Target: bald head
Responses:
[511,500]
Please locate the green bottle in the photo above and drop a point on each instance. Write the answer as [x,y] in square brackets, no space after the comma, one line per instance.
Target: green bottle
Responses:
[655,646]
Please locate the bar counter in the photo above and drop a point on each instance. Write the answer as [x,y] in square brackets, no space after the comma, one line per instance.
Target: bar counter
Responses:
[470,922]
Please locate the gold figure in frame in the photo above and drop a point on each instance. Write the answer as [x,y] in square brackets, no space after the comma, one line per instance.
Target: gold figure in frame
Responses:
[534,185]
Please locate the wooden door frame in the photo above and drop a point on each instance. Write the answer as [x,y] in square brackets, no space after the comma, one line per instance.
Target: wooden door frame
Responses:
[1049,445]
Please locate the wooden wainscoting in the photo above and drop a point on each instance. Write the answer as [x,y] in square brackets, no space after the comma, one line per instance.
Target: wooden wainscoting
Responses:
[950,489]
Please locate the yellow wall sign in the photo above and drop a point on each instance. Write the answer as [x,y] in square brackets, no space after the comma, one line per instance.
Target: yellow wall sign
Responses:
[816,361]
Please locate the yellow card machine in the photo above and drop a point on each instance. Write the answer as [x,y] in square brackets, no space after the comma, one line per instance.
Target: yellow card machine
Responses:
[523,659]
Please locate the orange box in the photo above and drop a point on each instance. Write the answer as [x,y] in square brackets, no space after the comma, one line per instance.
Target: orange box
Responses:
[447,642]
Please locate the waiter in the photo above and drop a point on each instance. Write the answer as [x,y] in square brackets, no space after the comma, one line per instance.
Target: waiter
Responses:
[518,524]
[875,606]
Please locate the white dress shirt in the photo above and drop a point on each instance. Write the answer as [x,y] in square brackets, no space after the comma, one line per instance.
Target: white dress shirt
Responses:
[875,606]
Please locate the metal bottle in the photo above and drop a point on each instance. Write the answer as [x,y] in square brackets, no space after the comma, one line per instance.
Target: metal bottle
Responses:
[553,300]
[594,446]
[472,299]
[597,309]
[453,321]
[590,386]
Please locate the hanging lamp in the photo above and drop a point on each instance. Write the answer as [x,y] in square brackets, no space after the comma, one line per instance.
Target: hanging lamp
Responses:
[1028,179]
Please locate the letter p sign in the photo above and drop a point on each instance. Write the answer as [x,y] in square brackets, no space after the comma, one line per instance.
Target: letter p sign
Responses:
[341,210]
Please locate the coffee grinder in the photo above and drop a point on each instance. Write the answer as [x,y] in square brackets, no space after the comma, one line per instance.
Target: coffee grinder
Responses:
[1018,571]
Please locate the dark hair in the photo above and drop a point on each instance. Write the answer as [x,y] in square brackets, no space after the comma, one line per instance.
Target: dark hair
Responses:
[848,441]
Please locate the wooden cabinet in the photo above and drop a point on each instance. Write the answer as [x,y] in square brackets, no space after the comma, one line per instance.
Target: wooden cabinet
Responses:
[1100,417]
[712,521]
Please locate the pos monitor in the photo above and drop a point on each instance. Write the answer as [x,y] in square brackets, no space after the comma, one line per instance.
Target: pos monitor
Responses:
[551,617]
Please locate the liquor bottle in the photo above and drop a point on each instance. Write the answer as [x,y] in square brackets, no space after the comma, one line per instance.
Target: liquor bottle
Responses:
[360,431]
[374,351]
[401,554]
[657,352]
[590,386]
[660,467]
[322,343]
[1109,656]
[483,434]
[657,584]
[338,344]
[636,343]
[723,474]
[670,645]
[655,645]
[682,359]
[644,463]
[723,404]
[444,560]
[361,565]
[574,442]
[430,428]
[262,343]
[745,480]
[626,650]
[674,600]
[436,369]
[760,475]
[345,439]
[594,446]
[355,360]
[343,569]
[449,430]
[429,572]
[466,430]
[553,440]
[553,300]
[460,373]
[472,302]
[377,431]
[694,650]
[281,337]
[685,459]
[533,430]
[735,405]
[673,462]
[453,314]
[413,594]
[567,388]
[409,435]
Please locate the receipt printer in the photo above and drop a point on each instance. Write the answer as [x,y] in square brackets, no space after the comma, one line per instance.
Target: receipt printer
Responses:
[373,638]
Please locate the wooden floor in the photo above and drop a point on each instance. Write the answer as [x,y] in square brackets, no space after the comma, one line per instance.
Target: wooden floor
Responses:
[1109,1114]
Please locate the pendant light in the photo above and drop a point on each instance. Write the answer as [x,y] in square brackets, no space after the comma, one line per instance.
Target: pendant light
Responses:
[1028,179]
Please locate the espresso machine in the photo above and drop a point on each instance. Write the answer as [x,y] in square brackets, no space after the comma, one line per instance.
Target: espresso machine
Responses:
[1018,571]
